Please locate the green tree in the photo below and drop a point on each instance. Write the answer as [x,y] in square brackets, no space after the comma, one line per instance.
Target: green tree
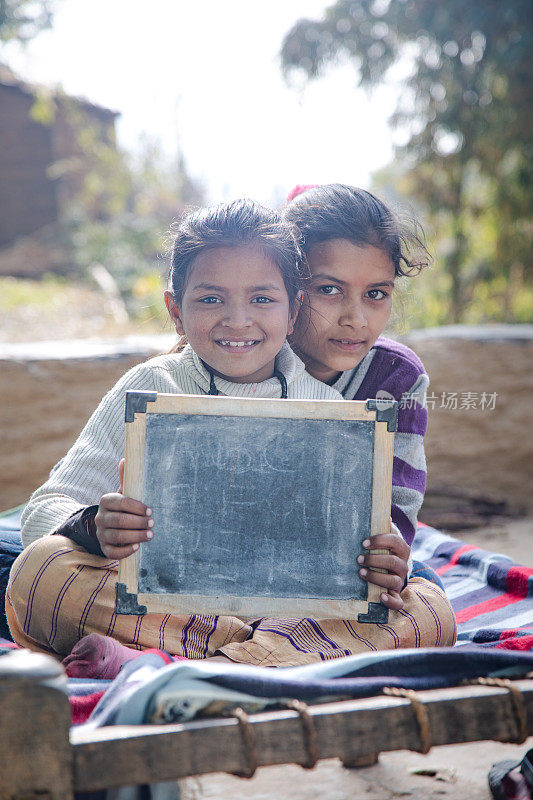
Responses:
[467,114]
[115,207]
[23,19]
[122,207]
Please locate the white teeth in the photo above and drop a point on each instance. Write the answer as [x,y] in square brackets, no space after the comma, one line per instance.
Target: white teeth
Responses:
[226,343]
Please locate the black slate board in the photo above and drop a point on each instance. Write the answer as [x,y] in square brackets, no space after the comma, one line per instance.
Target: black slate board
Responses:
[262,507]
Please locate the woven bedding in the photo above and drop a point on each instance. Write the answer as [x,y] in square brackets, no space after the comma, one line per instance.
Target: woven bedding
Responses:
[491,595]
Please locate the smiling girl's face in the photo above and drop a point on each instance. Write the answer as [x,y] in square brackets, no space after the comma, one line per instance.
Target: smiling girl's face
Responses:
[235,312]
[350,301]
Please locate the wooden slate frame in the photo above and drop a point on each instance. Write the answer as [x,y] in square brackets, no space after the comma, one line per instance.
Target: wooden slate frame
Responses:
[381,414]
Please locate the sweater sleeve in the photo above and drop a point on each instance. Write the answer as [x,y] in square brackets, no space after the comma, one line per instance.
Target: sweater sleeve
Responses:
[81,528]
[90,468]
[395,372]
[409,465]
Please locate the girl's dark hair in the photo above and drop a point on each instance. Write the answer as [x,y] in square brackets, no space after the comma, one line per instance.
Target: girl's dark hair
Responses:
[241,222]
[336,211]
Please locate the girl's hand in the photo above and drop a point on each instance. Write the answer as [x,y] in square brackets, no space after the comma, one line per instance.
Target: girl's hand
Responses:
[122,523]
[395,562]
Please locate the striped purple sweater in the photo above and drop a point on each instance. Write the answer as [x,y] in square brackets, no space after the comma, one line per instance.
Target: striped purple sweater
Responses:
[392,371]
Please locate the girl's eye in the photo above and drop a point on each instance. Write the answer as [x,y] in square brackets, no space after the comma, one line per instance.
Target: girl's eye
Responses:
[373,294]
[262,299]
[211,299]
[328,289]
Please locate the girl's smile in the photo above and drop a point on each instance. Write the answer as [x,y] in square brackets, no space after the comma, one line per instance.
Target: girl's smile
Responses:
[350,300]
[235,312]
[350,345]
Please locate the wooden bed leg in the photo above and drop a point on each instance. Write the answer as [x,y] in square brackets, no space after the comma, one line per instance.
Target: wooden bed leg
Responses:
[356,762]
[34,731]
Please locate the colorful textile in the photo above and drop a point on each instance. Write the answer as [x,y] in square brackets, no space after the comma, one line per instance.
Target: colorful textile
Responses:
[491,595]
[84,695]
[10,547]
[148,691]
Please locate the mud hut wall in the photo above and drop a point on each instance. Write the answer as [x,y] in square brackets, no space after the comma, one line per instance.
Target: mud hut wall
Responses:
[27,195]
[42,167]
[479,410]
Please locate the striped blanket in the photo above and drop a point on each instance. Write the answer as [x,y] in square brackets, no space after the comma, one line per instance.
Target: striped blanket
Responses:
[491,595]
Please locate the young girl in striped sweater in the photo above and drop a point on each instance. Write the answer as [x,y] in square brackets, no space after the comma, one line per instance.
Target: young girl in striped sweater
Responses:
[235,281]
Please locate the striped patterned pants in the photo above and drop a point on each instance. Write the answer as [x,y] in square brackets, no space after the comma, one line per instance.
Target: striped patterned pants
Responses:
[59,593]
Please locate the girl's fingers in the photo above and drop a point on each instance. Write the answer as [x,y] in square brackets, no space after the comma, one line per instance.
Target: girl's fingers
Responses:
[117,502]
[392,600]
[119,552]
[123,538]
[123,521]
[121,473]
[393,564]
[392,583]
[390,541]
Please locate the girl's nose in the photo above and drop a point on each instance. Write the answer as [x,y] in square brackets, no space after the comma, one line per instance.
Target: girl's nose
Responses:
[353,315]
[237,316]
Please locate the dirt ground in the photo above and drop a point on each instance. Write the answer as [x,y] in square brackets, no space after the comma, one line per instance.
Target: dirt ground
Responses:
[459,772]
[514,538]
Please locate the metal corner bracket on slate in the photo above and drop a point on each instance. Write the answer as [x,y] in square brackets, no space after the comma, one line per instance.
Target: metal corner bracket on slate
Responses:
[386,411]
[136,403]
[126,603]
[377,612]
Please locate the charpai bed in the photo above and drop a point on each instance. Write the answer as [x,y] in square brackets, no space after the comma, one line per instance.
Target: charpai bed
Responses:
[159,722]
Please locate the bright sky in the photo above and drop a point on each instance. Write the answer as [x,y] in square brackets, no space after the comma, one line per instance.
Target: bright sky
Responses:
[204,76]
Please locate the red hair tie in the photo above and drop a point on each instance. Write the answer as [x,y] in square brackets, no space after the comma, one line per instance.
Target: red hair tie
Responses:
[300,189]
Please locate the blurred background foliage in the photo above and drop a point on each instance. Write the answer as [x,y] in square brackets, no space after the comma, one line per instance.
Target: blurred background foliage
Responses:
[116,218]
[117,222]
[24,19]
[121,216]
[463,159]
[465,120]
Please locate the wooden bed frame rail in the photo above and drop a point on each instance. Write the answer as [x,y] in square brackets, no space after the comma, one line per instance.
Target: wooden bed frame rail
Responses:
[42,755]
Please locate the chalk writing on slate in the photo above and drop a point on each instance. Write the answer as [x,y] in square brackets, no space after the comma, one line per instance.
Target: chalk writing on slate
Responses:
[262,507]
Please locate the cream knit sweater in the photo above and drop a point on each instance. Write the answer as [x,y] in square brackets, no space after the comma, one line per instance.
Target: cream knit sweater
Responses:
[90,468]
